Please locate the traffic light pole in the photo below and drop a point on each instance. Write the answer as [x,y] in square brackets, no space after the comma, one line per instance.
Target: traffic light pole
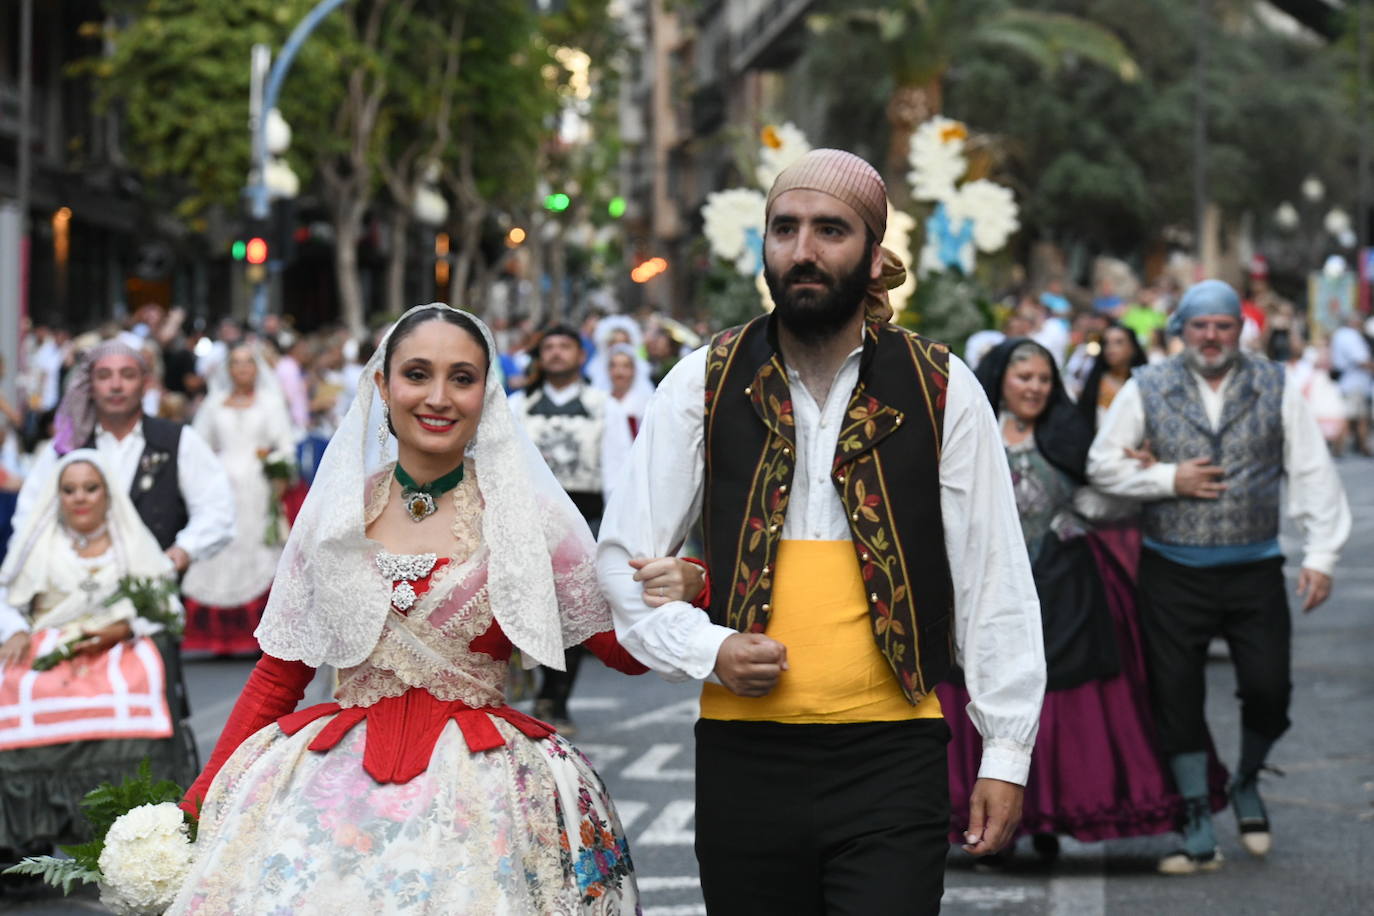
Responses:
[264,99]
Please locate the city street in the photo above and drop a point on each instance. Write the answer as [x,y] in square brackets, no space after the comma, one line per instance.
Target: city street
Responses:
[638,733]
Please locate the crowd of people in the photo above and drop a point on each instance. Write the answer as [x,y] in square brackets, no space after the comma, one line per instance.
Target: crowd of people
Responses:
[930,600]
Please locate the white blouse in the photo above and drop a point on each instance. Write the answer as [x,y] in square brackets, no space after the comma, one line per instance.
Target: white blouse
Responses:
[996,623]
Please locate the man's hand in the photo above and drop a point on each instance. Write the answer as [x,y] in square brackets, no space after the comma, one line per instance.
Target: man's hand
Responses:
[1199,479]
[994,813]
[180,558]
[14,649]
[749,664]
[1313,587]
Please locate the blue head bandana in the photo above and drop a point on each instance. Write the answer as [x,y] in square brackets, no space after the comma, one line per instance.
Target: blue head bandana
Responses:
[1210,297]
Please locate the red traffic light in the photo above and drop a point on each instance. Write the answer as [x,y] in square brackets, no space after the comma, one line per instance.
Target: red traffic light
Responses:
[256,252]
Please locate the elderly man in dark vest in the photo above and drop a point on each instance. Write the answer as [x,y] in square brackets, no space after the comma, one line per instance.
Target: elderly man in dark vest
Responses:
[177,483]
[861,536]
[1226,428]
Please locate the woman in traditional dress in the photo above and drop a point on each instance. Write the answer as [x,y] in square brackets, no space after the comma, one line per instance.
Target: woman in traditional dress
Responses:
[1095,772]
[418,790]
[95,717]
[245,419]
[1121,354]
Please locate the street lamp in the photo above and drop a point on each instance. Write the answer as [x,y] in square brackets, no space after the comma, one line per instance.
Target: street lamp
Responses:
[263,101]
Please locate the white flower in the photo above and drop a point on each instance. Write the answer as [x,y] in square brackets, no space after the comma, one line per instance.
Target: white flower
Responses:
[937,158]
[146,858]
[781,147]
[898,241]
[992,209]
[728,217]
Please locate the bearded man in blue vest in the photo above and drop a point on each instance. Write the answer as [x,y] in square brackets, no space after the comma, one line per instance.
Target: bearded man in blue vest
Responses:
[861,536]
[1226,428]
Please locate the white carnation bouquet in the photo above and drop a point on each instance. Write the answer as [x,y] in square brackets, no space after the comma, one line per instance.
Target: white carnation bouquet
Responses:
[141,852]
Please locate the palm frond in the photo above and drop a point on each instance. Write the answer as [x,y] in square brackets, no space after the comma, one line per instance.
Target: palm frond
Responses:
[1061,36]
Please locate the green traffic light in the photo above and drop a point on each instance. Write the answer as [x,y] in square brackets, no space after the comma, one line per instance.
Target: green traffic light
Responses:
[557,202]
[239,250]
[616,207]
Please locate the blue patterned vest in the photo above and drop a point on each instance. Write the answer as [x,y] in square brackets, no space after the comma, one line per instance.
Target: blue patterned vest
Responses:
[1248,443]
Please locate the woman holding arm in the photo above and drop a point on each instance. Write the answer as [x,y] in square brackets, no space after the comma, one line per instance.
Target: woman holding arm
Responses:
[418,790]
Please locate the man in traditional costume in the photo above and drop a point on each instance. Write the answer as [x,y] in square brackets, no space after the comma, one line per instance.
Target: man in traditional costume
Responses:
[861,536]
[565,418]
[174,478]
[1227,428]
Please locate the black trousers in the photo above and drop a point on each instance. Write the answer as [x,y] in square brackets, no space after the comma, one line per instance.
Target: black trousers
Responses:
[1181,609]
[796,820]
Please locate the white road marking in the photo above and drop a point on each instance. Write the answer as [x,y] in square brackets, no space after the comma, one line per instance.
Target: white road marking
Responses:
[1080,894]
[673,883]
[603,755]
[685,909]
[684,711]
[673,826]
[629,812]
[982,897]
[593,703]
[650,766]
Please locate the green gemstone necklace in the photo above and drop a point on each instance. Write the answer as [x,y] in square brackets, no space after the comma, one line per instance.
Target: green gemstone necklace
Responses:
[418,498]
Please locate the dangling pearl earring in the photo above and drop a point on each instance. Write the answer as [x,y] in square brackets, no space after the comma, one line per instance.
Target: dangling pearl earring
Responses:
[384,430]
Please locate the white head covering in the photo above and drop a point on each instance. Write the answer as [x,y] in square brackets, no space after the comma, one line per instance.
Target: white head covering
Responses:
[41,561]
[329,602]
[267,391]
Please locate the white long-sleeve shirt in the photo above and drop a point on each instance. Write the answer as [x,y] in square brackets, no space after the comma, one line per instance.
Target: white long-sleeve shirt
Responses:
[996,624]
[1316,499]
[201,478]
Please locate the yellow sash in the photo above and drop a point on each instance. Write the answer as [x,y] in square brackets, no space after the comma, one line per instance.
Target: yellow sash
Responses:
[835,672]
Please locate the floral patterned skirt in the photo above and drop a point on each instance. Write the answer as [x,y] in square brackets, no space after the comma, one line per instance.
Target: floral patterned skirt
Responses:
[525,828]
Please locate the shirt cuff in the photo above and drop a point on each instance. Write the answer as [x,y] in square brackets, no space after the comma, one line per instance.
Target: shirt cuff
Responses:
[1006,760]
[705,646]
[1322,561]
[1163,477]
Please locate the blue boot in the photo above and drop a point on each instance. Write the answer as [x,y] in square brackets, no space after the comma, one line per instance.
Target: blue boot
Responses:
[1199,852]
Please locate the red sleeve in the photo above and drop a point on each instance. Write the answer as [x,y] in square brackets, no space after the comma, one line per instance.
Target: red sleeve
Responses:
[703,598]
[606,647]
[273,690]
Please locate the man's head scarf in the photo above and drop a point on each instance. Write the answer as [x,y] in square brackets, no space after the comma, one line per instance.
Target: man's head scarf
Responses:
[76,415]
[854,182]
[1210,297]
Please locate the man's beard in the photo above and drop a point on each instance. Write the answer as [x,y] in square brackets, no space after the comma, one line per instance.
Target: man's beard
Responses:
[811,316]
[1211,367]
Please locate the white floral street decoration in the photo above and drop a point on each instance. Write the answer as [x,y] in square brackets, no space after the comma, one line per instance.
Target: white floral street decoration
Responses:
[937,158]
[781,147]
[733,220]
[733,223]
[969,216]
[146,858]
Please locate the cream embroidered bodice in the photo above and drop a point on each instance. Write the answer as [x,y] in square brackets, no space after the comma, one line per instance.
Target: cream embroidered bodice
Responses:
[425,640]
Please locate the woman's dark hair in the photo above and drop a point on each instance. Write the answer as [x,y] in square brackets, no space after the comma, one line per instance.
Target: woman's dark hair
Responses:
[1087,400]
[1061,434]
[407,325]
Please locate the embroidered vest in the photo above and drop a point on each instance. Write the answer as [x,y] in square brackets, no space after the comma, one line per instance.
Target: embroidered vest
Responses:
[886,471]
[1248,443]
[569,437]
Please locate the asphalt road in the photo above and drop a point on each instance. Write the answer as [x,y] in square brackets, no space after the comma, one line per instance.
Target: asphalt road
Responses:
[638,731]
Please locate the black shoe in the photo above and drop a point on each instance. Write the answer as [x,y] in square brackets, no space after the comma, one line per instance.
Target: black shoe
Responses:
[1046,846]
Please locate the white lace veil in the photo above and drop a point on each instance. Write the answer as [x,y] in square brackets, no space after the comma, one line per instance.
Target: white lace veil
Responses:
[35,565]
[329,602]
[267,392]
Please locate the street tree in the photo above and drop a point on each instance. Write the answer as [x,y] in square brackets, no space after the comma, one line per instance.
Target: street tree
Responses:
[916,42]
